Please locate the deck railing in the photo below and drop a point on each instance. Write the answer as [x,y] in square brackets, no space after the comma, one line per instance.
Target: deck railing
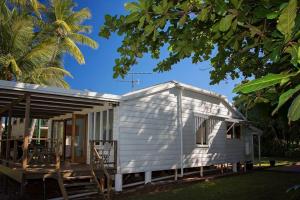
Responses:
[41,152]
[105,152]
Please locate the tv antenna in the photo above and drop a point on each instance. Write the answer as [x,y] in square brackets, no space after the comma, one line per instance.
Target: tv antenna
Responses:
[134,81]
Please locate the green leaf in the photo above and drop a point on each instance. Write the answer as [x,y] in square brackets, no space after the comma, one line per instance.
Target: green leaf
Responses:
[133,17]
[182,20]
[141,22]
[294,110]
[221,7]
[261,83]
[286,21]
[272,15]
[285,97]
[132,6]
[294,51]
[236,3]
[203,14]
[225,23]
[149,29]
[104,32]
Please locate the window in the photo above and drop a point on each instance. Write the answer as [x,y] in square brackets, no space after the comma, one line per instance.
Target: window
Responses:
[202,130]
[233,131]
[111,122]
[103,125]
[104,122]
[98,126]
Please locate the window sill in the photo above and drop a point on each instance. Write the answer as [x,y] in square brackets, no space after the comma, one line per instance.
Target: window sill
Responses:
[202,145]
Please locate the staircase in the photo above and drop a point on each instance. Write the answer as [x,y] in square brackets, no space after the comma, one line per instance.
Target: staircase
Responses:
[93,182]
[79,186]
[82,186]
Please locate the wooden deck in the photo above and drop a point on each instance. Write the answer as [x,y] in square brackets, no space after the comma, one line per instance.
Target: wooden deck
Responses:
[39,172]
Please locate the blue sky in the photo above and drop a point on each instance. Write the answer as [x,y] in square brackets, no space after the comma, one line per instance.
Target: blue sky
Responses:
[97,73]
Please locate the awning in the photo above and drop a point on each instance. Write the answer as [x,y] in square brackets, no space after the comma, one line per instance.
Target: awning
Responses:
[47,102]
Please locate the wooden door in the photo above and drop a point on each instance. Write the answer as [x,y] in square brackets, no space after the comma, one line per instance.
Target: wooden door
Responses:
[79,138]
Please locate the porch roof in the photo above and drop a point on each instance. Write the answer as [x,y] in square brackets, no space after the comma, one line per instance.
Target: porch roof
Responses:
[47,102]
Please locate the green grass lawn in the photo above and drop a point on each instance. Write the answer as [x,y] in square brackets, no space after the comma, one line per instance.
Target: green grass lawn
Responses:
[265,161]
[259,185]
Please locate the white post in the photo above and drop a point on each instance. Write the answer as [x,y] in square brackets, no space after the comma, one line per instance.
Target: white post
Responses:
[252,141]
[234,167]
[201,171]
[179,119]
[259,151]
[176,175]
[118,182]
[148,177]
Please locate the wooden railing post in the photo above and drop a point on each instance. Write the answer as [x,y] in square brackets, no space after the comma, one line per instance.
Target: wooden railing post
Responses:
[57,150]
[15,150]
[115,154]
[8,134]
[26,132]
[92,153]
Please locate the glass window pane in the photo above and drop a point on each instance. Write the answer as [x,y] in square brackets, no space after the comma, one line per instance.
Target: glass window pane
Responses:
[111,122]
[98,127]
[91,126]
[104,124]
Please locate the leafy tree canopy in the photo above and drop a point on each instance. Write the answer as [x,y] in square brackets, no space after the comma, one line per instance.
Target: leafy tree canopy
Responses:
[35,36]
[254,39]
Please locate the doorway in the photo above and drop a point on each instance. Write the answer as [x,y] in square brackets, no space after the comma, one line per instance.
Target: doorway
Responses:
[79,138]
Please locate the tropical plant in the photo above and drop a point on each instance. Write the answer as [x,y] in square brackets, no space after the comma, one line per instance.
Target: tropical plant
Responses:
[34,39]
[250,39]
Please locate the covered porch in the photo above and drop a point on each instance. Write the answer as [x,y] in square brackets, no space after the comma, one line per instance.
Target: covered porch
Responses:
[67,147]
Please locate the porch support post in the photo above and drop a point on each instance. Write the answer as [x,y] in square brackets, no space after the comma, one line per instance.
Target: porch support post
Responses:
[26,132]
[259,151]
[1,131]
[73,137]
[201,171]
[179,126]
[148,177]
[234,167]
[118,182]
[8,136]
[252,153]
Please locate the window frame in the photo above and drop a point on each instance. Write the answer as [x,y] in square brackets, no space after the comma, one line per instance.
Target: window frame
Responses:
[99,118]
[233,126]
[207,129]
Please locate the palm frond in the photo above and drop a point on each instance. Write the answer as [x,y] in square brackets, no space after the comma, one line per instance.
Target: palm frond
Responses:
[85,40]
[4,11]
[73,50]
[35,6]
[9,64]
[62,8]
[21,34]
[79,16]
[53,76]
[63,25]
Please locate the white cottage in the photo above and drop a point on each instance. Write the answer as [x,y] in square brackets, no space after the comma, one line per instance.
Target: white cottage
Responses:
[169,126]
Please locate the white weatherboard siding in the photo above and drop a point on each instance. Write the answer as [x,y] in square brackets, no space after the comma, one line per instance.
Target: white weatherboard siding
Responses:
[148,138]
[219,149]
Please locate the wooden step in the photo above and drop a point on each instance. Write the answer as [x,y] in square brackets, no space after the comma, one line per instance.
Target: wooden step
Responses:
[81,191]
[78,196]
[76,184]
[77,177]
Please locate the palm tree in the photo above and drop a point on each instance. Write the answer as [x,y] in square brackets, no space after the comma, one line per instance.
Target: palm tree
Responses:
[67,28]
